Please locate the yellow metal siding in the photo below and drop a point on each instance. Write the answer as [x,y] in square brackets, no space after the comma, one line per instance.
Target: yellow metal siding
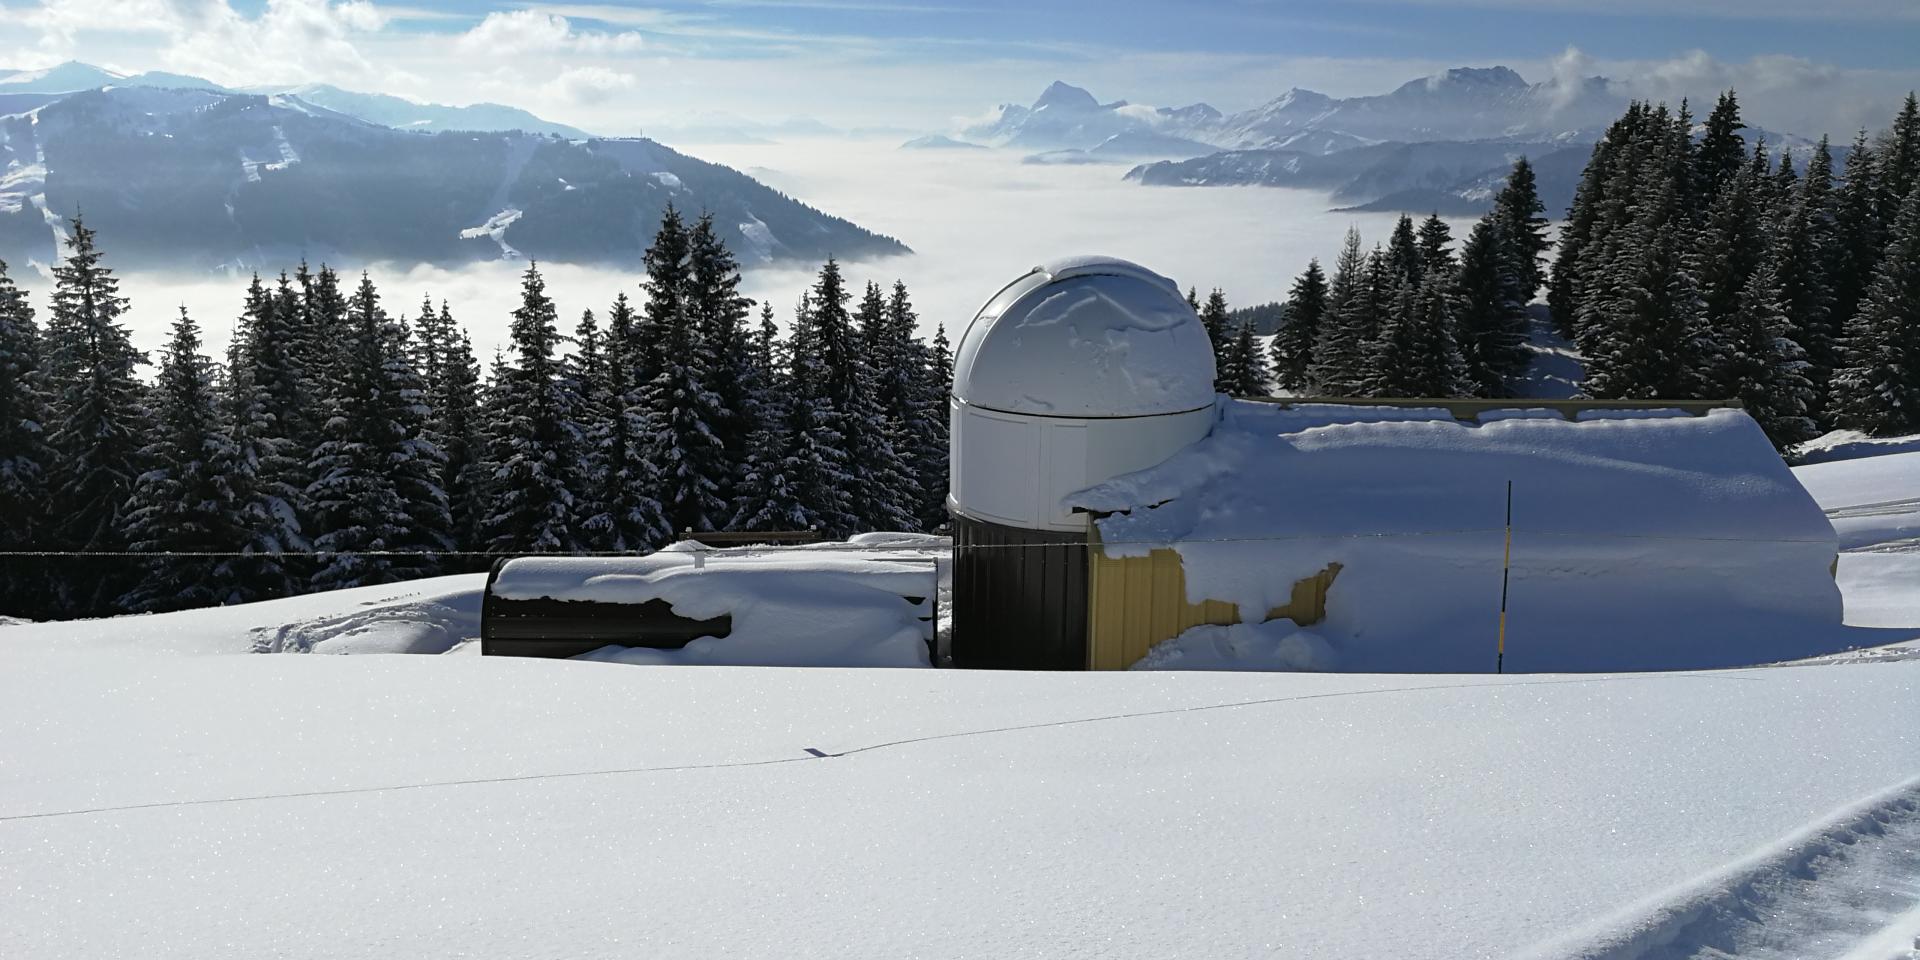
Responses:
[1136,602]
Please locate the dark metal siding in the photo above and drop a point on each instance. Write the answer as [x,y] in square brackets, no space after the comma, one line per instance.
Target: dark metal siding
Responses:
[1019,597]
[566,628]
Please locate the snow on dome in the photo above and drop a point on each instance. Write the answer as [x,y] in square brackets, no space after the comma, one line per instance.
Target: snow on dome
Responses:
[1086,337]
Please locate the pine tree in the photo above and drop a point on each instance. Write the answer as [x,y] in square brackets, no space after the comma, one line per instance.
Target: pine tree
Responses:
[1785,180]
[589,403]
[380,514]
[883,497]
[1436,247]
[720,313]
[1519,215]
[1403,259]
[766,498]
[98,422]
[1878,390]
[1731,244]
[1596,209]
[1899,159]
[1723,151]
[530,443]
[815,468]
[915,398]
[935,471]
[668,278]
[680,441]
[25,459]
[456,429]
[267,414]
[1859,235]
[1798,252]
[1215,317]
[1491,325]
[1765,369]
[1415,355]
[1247,363]
[629,517]
[186,502]
[1345,338]
[1642,325]
[1300,323]
[321,320]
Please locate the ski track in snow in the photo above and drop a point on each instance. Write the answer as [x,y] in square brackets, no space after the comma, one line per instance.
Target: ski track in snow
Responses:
[1834,889]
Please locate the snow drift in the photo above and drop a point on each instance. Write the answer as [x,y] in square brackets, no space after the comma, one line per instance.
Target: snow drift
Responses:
[1641,540]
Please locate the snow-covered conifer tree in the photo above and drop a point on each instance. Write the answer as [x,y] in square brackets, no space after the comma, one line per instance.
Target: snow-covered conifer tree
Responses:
[25,459]
[720,316]
[1491,320]
[1878,388]
[98,421]
[380,513]
[1415,355]
[1519,214]
[191,497]
[1764,368]
[530,444]
[1219,324]
[1248,363]
[1300,322]
[1341,349]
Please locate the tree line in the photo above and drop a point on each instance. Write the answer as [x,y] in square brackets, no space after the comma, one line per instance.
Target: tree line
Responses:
[1689,266]
[338,445]
[1412,318]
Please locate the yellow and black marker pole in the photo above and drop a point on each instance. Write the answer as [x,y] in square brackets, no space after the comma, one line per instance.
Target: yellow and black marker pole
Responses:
[1506,564]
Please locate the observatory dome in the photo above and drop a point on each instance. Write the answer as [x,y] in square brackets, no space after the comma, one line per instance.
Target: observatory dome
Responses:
[1086,337]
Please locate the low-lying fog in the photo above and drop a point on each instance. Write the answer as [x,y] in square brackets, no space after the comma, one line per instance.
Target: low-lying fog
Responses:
[975,219]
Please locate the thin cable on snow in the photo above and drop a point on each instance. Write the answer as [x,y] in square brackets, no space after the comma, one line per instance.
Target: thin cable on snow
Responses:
[811,753]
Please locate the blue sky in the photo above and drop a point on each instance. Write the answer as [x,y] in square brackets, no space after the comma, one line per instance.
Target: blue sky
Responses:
[615,66]
[1873,33]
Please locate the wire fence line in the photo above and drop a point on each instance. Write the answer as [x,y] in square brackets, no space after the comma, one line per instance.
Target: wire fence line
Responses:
[834,546]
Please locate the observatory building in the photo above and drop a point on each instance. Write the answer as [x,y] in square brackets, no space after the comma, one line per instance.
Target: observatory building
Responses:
[1106,502]
[1078,372]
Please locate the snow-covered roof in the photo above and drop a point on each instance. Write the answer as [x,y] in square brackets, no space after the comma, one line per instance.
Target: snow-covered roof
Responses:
[1086,337]
[1636,534]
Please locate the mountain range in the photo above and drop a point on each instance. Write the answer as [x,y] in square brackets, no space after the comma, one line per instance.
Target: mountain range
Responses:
[1465,103]
[178,173]
[1442,143]
[388,111]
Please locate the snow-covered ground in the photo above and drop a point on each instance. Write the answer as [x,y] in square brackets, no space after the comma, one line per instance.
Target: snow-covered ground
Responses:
[163,796]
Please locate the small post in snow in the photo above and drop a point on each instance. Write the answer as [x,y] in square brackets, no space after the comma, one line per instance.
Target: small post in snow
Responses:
[1506,563]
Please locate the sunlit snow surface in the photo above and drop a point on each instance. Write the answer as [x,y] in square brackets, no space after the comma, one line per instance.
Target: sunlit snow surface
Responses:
[163,796]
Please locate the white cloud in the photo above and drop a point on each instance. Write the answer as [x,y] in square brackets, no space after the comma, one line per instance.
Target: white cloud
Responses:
[1782,93]
[536,31]
[289,40]
[591,85]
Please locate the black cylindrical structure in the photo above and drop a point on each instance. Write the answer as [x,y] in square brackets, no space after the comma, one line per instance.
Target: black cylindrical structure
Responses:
[1019,597]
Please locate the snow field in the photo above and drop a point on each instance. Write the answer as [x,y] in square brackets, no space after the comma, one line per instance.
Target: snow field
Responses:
[159,800]
[1873,502]
[496,807]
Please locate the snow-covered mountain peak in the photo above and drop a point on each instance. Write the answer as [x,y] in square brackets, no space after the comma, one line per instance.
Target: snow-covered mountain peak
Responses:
[1485,77]
[72,75]
[1063,96]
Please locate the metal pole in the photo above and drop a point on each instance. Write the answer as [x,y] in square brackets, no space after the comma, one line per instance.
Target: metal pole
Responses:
[1506,564]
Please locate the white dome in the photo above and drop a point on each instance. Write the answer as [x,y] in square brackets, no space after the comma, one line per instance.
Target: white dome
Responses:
[1087,337]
